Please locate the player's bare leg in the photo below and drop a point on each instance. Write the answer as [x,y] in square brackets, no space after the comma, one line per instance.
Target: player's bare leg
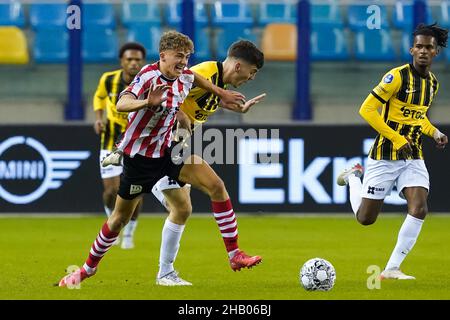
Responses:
[200,175]
[409,232]
[179,202]
[108,234]
[110,188]
[130,228]
[368,211]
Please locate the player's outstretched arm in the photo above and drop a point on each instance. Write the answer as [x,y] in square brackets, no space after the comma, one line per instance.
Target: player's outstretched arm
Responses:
[244,108]
[129,103]
[227,97]
[369,112]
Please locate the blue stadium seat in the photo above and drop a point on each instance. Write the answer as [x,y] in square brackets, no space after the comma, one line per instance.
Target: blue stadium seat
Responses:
[276,11]
[148,37]
[202,45]
[444,14]
[45,15]
[226,37]
[173,14]
[403,15]
[374,45]
[145,14]
[99,15]
[100,45]
[51,45]
[328,43]
[358,16]
[232,13]
[326,14]
[11,14]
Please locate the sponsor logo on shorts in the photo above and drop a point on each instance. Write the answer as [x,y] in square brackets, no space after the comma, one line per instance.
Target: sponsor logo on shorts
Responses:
[135,189]
[372,190]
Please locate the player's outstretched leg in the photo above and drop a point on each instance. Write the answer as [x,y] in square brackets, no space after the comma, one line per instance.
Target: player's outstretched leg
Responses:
[105,239]
[180,203]
[130,228]
[352,178]
[201,176]
[409,232]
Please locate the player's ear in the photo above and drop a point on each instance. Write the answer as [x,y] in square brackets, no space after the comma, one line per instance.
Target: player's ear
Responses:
[162,55]
[237,67]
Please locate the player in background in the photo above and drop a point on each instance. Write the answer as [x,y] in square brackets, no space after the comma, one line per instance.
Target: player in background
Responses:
[243,61]
[404,94]
[111,84]
[153,100]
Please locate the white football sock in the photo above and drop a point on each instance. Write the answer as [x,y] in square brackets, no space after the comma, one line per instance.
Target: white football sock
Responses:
[355,186]
[129,229]
[108,211]
[407,236]
[170,243]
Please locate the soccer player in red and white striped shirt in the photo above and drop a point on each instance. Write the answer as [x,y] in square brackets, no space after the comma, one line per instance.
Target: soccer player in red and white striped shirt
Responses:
[153,100]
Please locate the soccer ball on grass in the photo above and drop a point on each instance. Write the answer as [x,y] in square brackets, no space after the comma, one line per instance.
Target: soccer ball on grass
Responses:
[317,274]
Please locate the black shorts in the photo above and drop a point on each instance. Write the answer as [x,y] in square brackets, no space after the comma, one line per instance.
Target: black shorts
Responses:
[141,173]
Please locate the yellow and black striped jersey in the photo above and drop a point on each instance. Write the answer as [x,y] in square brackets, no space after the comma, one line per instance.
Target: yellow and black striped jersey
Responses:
[111,84]
[200,104]
[406,97]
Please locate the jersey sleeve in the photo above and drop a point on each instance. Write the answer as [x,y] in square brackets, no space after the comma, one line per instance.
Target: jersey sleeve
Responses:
[388,86]
[101,95]
[427,128]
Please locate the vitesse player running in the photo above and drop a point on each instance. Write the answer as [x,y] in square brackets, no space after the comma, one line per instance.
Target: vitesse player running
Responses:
[404,94]
[243,61]
[111,84]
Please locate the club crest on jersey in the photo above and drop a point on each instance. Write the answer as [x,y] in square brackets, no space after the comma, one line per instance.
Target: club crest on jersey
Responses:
[136,80]
[388,78]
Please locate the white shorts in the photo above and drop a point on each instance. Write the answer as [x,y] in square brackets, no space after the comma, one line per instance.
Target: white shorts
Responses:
[165,183]
[109,171]
[381,176]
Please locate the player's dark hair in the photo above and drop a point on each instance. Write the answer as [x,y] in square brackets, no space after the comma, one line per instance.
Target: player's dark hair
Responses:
[440,34]
[131,46]
[246,50]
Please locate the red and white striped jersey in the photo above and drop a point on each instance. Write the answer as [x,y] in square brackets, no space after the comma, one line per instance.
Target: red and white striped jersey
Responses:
[149,130]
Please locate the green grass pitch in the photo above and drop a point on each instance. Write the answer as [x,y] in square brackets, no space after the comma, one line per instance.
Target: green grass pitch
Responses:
[35,252]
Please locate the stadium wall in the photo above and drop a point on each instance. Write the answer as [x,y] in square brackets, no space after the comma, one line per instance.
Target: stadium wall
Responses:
[55,168]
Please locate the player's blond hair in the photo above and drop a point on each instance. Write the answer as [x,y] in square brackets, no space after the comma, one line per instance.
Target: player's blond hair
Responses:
[174,40]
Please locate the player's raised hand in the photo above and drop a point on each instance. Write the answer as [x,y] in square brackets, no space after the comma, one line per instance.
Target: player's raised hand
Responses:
[441,139]
[155,95]
[99,126]
[405,150]
[230,98]
[252,102]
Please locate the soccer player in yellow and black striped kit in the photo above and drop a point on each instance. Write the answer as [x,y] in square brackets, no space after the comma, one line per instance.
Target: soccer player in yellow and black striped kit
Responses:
[404,94]
[243,61]
[111,84]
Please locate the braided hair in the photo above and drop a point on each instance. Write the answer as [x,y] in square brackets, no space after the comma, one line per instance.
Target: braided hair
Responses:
[440,34]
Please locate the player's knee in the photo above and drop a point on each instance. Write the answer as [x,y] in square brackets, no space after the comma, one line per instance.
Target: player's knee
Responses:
[419,211]
[365,220]
[183,211]
[110,192]
[118,220]
[217,187]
